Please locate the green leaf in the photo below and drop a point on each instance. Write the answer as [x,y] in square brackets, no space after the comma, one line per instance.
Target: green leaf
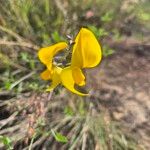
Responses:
[98,32]
[7,142]
[102,32]
[56,37]
[107,51]
[59,137]
[144,16]
[107,17]
[68,111]
[24,56]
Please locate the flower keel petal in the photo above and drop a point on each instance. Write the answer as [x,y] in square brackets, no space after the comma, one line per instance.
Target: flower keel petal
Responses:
[68,81]
[56,80]
[78,76]
[46,75]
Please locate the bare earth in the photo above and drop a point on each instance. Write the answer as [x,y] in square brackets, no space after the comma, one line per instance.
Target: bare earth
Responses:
[123,87]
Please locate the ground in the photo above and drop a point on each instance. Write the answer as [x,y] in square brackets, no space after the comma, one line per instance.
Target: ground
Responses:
[123,86]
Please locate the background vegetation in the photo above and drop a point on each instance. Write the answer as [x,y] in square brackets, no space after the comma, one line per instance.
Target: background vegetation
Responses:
[33,119]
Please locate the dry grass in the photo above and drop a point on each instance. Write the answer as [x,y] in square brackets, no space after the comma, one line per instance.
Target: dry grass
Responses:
[28,115]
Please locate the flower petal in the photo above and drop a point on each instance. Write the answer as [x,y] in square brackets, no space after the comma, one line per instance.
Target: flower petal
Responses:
[46,75]
[46,54]
[86,50]
[78,76]
[55,78]
[68,81]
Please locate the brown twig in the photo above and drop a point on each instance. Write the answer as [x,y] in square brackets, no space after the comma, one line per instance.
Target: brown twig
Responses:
[8,120]
[15,35]
[22,44]
[10,129]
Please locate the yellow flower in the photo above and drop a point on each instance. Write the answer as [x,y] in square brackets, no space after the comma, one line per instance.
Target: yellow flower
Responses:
[46,57]
[46,54]
[53,75]
[86,54]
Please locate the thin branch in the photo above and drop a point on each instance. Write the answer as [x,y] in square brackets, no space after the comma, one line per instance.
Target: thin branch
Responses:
[15,35]
[10,129]
[50,96]
[31,143]
[8,120]
[22,79]
[22,44]
[84,141]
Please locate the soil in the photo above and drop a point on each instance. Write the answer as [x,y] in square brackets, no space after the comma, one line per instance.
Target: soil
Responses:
[123,86]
